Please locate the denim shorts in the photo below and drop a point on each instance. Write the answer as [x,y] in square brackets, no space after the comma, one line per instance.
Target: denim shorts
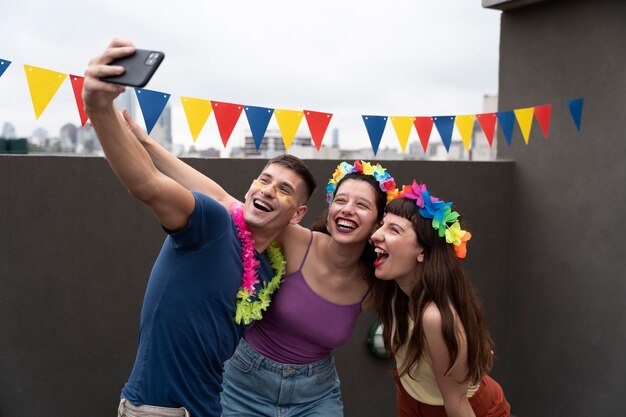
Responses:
[257,386]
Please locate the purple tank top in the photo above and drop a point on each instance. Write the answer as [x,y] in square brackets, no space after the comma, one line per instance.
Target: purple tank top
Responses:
[300,326]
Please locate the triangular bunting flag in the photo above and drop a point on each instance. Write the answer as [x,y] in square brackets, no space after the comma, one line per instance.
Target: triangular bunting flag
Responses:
[506,120]
[226,116]
[152,104]
[258,119]
[4,64]
[445,126]
[43,85]
[542,114]
[525,120]
[77,86]
[375,126]
[288,123]
[424,126]
[197,112]
[402,125]
[487,122]
[465,125]
[318,123]
[576,110]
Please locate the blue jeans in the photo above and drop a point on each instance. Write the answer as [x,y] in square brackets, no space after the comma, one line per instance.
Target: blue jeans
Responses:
[257,386]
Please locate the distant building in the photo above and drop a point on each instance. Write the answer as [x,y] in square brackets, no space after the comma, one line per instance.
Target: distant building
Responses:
[8,131]
[436,150]
[416,151]
[87,142]
[162,130]
[192,152]
[127,100]
[273,145]
[480,149]
[39,138]
[67,137]
[335,138]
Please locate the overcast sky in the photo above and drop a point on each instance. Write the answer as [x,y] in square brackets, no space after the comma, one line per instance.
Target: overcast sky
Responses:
[346,57]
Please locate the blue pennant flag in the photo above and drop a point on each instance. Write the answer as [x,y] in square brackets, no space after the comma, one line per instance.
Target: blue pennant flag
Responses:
[506,119]
[576,109]
[258,119]
[445,126]
[4,64]
[152,104]
[375,127]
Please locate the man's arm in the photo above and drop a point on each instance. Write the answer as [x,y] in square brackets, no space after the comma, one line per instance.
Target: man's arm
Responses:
[171,202]
[178,170]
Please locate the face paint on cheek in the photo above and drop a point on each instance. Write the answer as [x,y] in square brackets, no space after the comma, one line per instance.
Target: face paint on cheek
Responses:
[283,196]
[259,184]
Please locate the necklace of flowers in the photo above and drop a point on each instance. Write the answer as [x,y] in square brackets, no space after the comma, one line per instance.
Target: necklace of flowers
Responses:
[252,303]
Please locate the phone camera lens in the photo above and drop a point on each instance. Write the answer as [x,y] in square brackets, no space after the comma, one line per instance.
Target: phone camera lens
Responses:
[152,57]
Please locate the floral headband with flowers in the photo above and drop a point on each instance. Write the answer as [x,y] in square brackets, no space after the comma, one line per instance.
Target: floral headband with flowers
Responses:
[380,174]
[445,221]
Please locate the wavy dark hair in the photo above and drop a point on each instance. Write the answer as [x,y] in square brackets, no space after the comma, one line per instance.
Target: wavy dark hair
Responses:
[439,279]
[321,223]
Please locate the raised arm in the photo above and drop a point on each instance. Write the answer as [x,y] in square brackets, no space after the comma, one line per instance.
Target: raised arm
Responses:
[176,169]
[171,202]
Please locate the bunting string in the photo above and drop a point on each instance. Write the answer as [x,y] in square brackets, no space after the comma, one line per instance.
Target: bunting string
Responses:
[44,83]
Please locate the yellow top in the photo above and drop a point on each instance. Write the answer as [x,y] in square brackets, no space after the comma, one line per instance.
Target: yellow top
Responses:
[420,382]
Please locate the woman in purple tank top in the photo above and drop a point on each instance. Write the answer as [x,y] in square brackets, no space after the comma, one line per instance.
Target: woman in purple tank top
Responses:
[284,363]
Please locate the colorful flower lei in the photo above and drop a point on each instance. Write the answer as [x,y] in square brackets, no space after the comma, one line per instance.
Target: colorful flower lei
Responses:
[252,303]
[385,181]
[445,221]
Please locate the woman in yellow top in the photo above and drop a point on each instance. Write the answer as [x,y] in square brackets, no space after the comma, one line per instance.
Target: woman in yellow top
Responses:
[431,317]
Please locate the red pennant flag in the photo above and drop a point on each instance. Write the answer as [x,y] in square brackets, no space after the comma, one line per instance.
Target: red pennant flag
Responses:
[487,122]
[226,116]
[77,86]
[542,114]
[318,123]
[424,126]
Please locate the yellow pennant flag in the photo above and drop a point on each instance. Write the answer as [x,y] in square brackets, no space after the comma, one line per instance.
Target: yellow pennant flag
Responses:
[402,125]
[288,123]
[197,111]
[525,120]
[465,125]
[43,85]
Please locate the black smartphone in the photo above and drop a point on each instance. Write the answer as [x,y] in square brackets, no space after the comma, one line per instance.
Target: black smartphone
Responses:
[139,68]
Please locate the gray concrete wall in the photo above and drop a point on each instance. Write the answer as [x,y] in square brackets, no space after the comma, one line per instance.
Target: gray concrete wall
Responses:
[567,321]
[76,251]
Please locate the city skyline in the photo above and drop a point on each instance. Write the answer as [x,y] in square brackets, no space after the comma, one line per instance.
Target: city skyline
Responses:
[82,140]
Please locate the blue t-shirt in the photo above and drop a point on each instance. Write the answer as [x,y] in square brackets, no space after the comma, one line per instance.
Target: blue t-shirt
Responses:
[187,327]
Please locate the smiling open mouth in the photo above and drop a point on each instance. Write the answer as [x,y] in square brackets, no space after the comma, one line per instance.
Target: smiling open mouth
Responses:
[346,225]
[381,257]
[258,204]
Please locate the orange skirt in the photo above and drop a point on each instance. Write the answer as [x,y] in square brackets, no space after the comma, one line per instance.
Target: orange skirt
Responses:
[488,401]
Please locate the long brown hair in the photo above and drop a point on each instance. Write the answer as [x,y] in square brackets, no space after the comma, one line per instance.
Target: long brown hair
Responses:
[440,279]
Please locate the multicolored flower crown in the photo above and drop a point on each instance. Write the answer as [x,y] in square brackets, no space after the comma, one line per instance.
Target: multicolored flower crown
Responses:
[380,174]
[445,221]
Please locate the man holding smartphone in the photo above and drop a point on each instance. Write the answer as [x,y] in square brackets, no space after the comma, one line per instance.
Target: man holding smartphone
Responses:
[187,321]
